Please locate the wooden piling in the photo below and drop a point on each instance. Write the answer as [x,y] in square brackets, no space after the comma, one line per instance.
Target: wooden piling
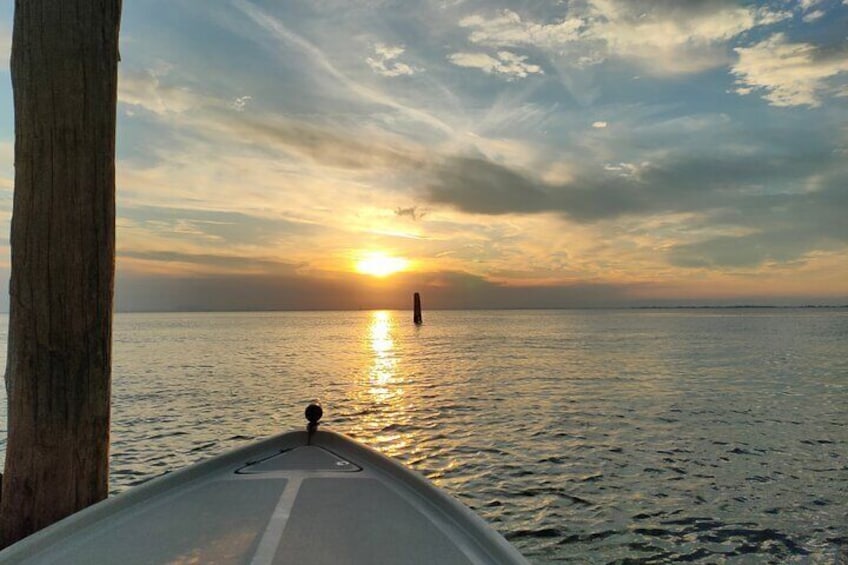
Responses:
[58,373]
[416,317]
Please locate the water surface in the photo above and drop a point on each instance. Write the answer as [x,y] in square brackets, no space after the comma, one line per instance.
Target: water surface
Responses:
[583,436]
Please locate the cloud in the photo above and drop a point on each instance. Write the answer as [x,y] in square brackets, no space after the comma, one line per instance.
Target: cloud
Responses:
[782,228]
[385,63]
[334,147]
[664,37]
[788,74]
[204,226]
[209,262]
[751,198]
[149,89]
[673,37]
[479,186]
[506,63]
[413,212]
[739,251]
[240,103]
[626,169]
[508,28]
[213,120]
[334,152]
[813,16]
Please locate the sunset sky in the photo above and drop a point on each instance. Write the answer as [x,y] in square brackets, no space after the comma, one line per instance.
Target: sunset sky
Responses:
[504,154]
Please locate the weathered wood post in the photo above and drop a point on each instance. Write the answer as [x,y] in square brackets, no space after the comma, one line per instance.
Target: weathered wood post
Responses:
[416,316]
[64,79]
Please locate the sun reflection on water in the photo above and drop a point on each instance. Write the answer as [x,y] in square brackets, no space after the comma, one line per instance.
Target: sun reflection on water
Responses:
[382,376]
[381,390]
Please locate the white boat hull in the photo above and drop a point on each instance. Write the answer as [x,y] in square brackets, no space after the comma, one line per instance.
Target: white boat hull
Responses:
[278,501]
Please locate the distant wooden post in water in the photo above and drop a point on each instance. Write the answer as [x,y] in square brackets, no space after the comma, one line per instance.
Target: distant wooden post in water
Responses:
[416,317]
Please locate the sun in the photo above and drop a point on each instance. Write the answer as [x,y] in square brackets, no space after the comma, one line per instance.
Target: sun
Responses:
[379,264]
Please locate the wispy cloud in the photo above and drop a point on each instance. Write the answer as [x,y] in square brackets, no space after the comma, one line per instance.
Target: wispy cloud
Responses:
[322,63]
[149,89]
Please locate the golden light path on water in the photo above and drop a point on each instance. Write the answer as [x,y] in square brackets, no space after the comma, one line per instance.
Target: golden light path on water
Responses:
[383,379]
[381,391]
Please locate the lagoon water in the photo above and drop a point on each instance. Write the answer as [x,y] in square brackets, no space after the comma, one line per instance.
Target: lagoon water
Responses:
[631,436]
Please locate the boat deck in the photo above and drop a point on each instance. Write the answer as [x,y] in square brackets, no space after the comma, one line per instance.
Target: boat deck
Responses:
[281,502]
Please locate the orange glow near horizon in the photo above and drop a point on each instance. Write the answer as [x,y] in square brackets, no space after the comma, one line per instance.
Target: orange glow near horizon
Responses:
[379,264]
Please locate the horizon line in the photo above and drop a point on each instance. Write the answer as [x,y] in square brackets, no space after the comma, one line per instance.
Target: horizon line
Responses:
[503,308]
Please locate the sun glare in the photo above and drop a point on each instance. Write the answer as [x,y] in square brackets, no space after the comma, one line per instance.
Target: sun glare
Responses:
[379,264]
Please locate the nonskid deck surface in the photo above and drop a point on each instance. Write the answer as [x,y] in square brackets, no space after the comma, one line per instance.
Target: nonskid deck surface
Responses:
[331,502]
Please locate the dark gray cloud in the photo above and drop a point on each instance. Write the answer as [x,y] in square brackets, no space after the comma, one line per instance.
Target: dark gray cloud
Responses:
[480,186]
[766,193]
[680,183]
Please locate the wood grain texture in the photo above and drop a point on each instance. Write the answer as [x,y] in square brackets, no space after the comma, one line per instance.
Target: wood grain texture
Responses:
[58,374]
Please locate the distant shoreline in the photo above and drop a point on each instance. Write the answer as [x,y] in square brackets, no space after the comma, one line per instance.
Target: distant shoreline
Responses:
[740,307]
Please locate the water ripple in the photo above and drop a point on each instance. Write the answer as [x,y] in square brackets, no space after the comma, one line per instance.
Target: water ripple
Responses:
[583,436]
